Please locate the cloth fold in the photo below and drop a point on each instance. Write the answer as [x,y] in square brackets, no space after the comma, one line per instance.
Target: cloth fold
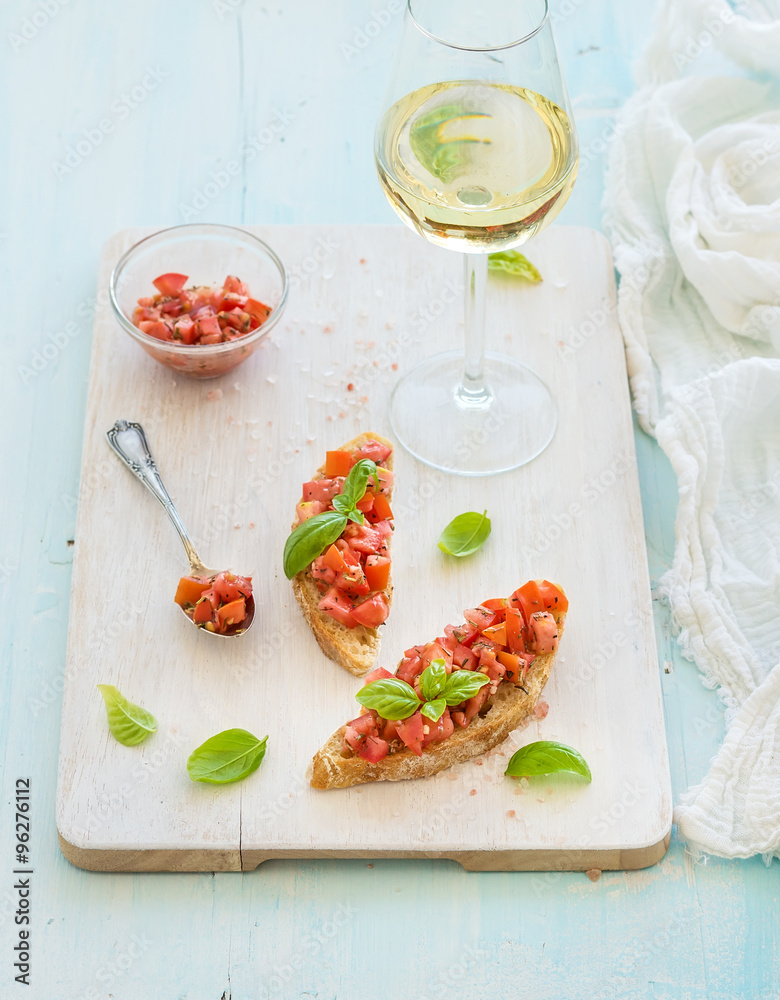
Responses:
[693,213]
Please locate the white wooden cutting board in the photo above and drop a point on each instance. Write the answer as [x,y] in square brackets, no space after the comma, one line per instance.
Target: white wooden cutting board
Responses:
[234,452]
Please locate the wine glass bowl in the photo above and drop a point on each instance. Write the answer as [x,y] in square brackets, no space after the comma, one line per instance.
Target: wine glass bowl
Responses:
[477,152]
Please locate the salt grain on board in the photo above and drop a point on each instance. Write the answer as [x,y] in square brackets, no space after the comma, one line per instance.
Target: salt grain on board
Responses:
[214,395]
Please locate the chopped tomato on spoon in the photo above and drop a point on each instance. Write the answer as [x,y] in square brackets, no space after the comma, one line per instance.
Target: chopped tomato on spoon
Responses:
[216,603]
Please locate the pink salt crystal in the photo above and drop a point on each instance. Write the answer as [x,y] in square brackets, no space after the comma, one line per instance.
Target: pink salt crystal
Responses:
[214,395]
[541,709]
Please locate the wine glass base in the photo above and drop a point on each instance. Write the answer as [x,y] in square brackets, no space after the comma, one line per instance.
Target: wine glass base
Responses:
[482,438]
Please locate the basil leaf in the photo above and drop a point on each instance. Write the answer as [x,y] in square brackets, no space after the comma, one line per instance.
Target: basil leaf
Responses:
[433,679]
[547,757]
[514,263]
[465,534]
[392,698]
[462,685]
[354,488]
[310,539]
[229,756]
[434,709]
[356,516]
[129,724]
[440,149]
[342,504]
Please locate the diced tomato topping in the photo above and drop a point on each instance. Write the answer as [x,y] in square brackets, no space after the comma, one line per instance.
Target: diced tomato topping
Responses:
[156,329]
[337,463]
[336,604]
[464,658]
[512,664]
[410,732]
[203,612]
[475,704]
[190,590]
[185,330]
[352,739]
[371,612]
[209,326]
[553,598]
[374,749]
[308,508]
[380,509]
[386,479]
[353,582]
[481,618]
[364,724]
[362,538]
[377,572]
[545,632]
[170,284]
[497,633]
[434,651]
[219,602]
[201,315]
[496,604]
[323,574]
[410,668]
[231,614]
[437,731]
[374,450]
[528,598]
[235,285]
[515,631]
[320,489]
[366,505]
[334,559]
[259,311]
[377,674]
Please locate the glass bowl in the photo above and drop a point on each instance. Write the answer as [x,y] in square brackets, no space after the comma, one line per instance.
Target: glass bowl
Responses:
[207,254]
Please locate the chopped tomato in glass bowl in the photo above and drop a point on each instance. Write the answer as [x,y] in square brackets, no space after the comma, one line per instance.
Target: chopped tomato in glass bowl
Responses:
[170,294]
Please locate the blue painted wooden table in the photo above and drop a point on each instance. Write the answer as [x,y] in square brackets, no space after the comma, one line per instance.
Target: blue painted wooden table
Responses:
[153,113]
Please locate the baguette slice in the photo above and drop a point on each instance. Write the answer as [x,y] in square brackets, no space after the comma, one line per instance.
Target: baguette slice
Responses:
[354,649]
[510,706]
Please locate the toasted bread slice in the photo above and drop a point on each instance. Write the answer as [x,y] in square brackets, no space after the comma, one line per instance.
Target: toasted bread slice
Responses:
[354,649]
[509,706]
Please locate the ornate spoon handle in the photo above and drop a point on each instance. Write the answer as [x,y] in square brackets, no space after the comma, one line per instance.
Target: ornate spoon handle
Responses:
[128,440]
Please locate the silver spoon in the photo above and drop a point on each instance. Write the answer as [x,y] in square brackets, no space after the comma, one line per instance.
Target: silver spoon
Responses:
[129,442]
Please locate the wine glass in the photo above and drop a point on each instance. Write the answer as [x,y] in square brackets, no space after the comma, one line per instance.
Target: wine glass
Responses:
[477,152]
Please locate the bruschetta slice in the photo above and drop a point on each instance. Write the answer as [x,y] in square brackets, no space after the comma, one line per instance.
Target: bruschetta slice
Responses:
[453,698]
[346,591]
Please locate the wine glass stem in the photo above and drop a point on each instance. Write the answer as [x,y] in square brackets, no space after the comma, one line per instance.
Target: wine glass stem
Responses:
[473,391]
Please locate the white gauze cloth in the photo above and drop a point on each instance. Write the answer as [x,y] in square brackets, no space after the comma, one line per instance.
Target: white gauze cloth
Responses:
[693,212]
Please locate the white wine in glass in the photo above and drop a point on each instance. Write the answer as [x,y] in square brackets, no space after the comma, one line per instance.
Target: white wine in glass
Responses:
[477,152]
